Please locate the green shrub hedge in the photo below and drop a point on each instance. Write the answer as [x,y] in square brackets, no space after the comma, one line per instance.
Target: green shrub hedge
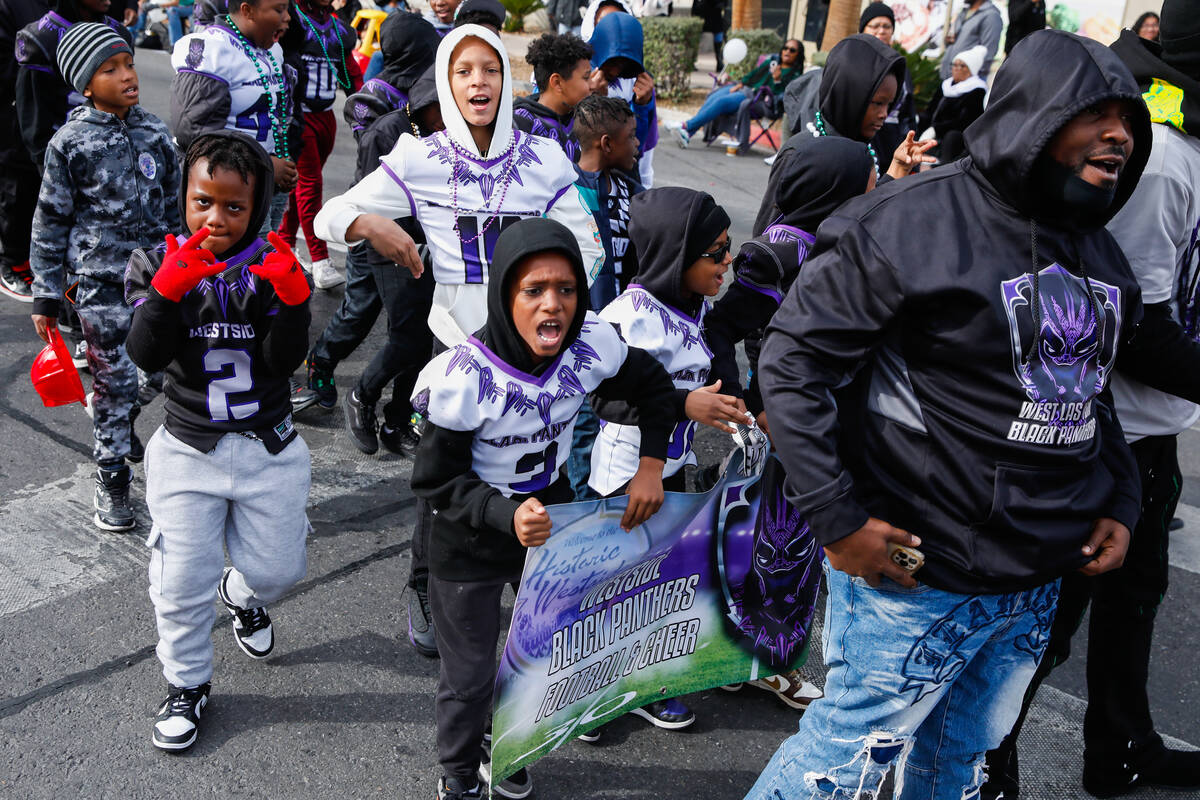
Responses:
[669,53]
[517,11]
[759,42]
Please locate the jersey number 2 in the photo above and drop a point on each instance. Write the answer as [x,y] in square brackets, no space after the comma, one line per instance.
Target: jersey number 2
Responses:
[235,368]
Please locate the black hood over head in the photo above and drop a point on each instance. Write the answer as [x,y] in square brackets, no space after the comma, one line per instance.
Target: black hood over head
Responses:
[518,241]
[1147,62]
[423,91]
[264,189]
[409,44]
[853,71]
[823,173]
[669,228]
[1026,111]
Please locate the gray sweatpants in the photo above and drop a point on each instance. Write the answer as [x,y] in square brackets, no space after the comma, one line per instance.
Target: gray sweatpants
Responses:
[239,498]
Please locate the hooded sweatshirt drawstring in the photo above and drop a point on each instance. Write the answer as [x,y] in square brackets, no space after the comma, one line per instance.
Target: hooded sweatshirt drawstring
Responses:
[1036,300]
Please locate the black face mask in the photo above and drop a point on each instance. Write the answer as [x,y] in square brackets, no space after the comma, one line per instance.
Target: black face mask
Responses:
[1066,197]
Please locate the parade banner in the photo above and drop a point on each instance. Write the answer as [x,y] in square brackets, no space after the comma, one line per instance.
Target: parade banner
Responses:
[715,588]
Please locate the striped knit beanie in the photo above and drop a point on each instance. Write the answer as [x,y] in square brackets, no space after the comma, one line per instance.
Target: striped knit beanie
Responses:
[84,48]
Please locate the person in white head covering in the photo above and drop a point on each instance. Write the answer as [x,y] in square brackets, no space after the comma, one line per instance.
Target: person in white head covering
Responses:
[463,185]
[956,103]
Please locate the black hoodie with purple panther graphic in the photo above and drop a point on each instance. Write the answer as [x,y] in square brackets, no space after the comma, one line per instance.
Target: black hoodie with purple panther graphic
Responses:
[989,318]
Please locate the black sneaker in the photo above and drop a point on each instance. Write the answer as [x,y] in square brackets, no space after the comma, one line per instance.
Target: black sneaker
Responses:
[178,719]
[361,424]
[454,789]
[402,440]
[137,451]
[320,380]
[17,282]
[1152,764]
[515,786]
[113,511]
[302,396]
[668,714]
[251,626]
[420,623]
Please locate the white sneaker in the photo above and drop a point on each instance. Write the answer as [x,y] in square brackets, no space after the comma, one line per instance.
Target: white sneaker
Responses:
[680,131]
[326,275]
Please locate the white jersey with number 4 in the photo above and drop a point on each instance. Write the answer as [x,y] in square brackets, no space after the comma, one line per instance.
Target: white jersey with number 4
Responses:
[522,423]
[676,340]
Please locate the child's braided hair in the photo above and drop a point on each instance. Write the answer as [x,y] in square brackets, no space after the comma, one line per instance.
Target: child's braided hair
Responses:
[228,152]
[597,115]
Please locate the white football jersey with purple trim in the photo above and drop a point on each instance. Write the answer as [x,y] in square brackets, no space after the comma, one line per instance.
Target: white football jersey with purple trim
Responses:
[217,53]
[522,423]
[490,195]
[676,341]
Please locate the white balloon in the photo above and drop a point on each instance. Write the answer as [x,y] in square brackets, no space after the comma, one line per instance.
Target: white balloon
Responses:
[734,51]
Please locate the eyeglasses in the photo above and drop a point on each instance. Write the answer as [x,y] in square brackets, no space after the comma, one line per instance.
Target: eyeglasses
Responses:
[791,49]
[720,253]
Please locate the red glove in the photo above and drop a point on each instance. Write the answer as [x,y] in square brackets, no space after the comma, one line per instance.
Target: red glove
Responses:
[184,267]
[283,271]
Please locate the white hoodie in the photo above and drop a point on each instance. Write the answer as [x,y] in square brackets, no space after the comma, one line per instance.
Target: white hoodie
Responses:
[454,191]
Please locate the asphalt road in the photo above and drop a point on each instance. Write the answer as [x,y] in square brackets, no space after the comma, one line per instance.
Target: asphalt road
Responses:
[345,707]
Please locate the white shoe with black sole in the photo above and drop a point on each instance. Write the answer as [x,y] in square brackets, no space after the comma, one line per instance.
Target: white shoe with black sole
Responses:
[178,719]
[251,626]
[514,787]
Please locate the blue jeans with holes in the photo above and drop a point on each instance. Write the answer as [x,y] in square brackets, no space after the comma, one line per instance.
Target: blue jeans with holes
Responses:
[920,678]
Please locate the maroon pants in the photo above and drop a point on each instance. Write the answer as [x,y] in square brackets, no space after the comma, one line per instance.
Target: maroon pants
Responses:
[320,128]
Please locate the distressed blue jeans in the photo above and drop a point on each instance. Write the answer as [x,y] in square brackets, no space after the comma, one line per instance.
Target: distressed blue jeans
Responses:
[922,679]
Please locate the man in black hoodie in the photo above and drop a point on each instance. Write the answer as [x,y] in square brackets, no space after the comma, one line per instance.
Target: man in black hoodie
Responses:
[989,325]
[1155,391]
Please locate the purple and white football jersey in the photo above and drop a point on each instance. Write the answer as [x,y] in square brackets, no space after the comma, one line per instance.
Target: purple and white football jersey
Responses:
[522,423]
[217,53]
[676,340]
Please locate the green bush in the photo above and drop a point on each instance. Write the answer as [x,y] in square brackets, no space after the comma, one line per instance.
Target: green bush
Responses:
[669,53]
[517,11]
[759,42]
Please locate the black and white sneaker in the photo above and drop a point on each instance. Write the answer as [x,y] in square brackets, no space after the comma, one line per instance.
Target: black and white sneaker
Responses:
[454,789]
[79,356]
[515,786]
[251,626]
[667,714]
[420,623]
[361,423]
[113,511]
[178,719]
[17,282]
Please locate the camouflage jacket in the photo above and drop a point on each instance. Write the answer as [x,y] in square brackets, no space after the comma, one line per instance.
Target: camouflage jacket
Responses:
[109,186]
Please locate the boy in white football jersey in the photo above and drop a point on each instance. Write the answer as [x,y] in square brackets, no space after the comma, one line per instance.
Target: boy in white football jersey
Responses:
[680,242]
[499,411]
[462,185]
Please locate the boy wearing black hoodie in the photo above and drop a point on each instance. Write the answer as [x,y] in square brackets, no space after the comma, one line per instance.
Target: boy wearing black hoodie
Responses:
[561,66]
[860,88]
[226,315]
[985,426]
[499,411]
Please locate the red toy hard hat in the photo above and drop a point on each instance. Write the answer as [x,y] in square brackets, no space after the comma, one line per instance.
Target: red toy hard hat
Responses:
[54,374]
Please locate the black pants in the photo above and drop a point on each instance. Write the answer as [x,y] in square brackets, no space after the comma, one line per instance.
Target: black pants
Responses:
[407,301]
[355,315]
[466,619]
[1124,604]
[19,184]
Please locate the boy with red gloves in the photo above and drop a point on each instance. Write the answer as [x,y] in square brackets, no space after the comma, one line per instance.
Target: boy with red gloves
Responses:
[226,315]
